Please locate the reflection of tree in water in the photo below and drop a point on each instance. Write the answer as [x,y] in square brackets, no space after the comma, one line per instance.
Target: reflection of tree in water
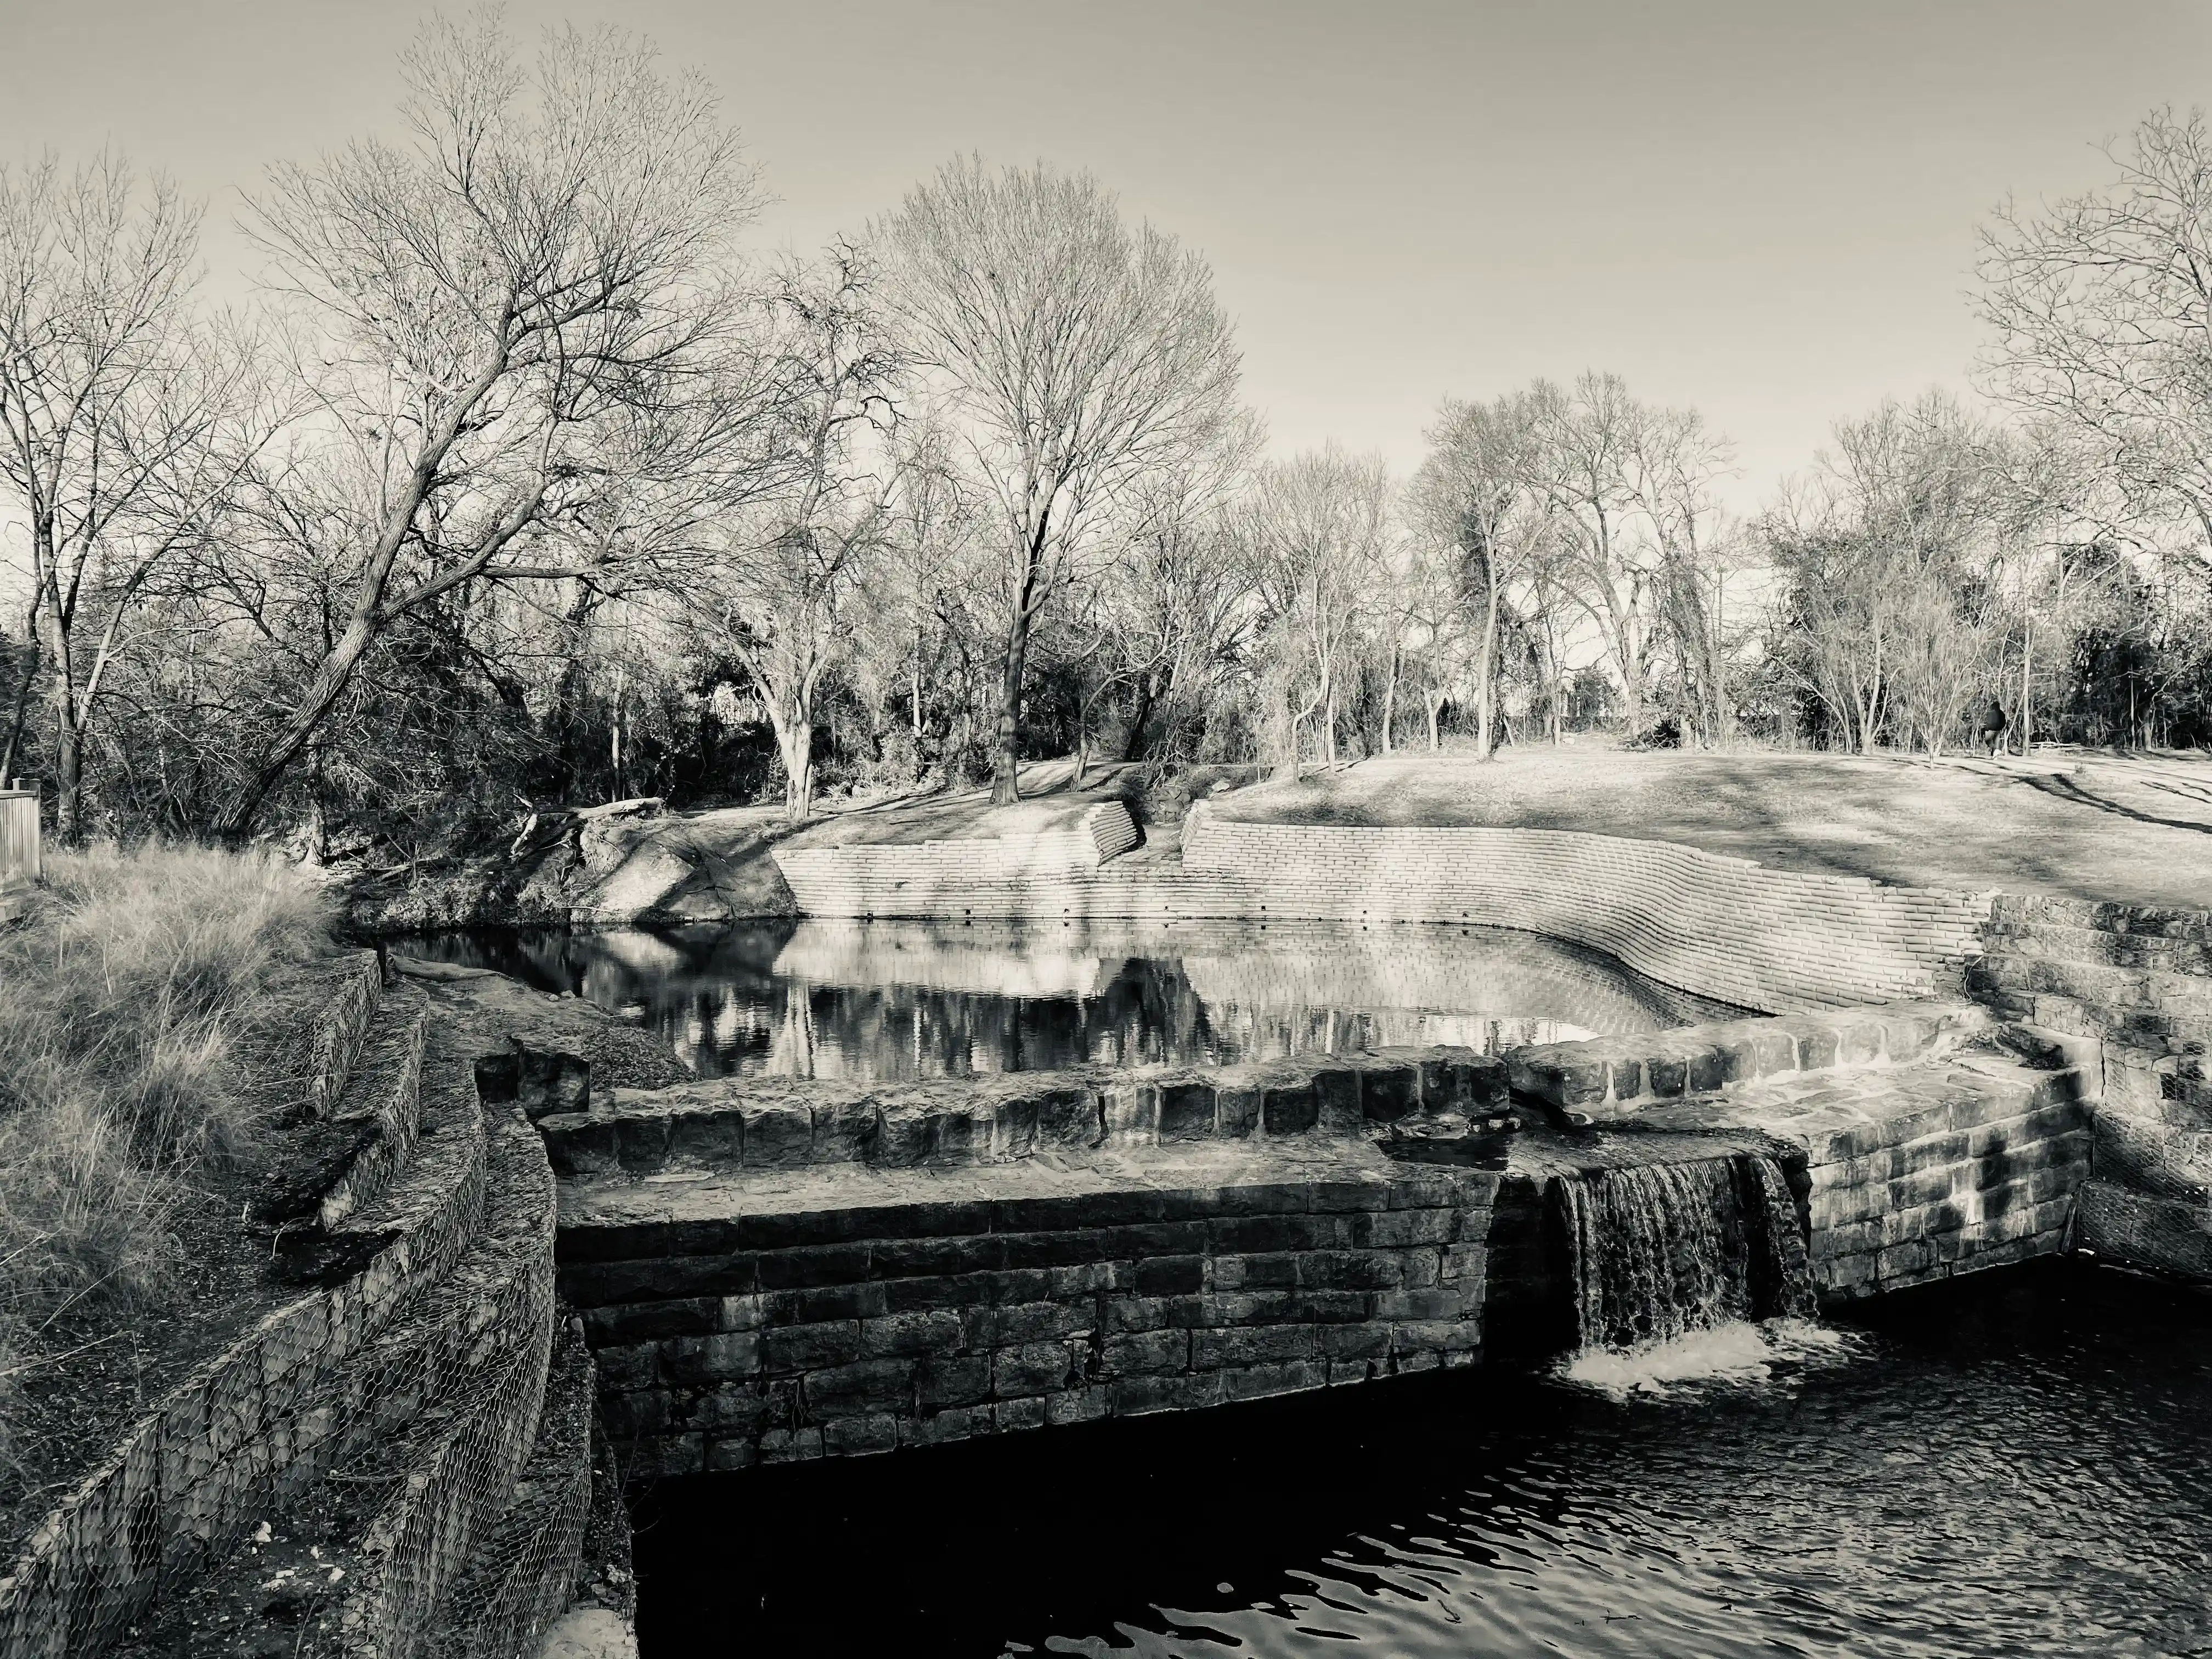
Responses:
[839,1004]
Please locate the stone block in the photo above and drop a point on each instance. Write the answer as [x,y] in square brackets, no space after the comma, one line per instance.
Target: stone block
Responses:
[1132,1113]
[1009,1415]
[645,1322]
[941,1428]
[854,1436]
[1141,1352]
[1337,1090]
[920,1295]
[1624,1076]
[1440,1335]
[1331,1307]
[1349,1270]
[1031,1368]
[1393,1228]
[1279,1271]
[813,1265]
[868,1385]
[715,1138]
[1186,1110]
[1262,1381]
[1024,1322]
[811,1347]
[1388,1092]
[907,1335]
[707,1359]
[1078,1404]
[1138,1396]
[790,1445]
[1173,1275]
[777,1137]
[944,1379]
[1240,1308]
[1250,1345]
[1069,1117]
[1053,1250]
[641,1140]
[1238,1111]
[844,1131]
[901,1258]
[1289,1109]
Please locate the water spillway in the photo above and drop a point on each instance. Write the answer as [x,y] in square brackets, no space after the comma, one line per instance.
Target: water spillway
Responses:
[1657,1250]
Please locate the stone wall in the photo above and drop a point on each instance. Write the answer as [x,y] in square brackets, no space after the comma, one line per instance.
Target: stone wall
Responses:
[1724,928]
[2136,984]
[762,1338]
[955,877]
[1771,940]
[385,1415]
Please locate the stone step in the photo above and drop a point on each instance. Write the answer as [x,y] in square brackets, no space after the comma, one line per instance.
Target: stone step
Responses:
[783,1123]
[2134,920]
[1606,1079]
[2056,941]
[2174,999]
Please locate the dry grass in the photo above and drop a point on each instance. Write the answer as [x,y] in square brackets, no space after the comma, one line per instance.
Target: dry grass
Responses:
[125,999]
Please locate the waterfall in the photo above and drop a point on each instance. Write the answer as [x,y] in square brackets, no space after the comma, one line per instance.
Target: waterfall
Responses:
[1660,1250]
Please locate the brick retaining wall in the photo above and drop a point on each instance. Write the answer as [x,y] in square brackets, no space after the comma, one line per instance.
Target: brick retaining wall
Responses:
[1725,928]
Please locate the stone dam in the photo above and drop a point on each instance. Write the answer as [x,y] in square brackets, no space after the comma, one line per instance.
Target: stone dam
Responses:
[761,1270]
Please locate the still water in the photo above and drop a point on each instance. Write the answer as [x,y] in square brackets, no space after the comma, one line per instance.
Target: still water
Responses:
[885,1000]
[2019,1464]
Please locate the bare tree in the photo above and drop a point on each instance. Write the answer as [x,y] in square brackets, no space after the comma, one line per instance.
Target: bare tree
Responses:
[1076,355]
[541,265]
[793,560]
[1670,467]
[2102,305]
[123,423]
[1491,493]
[1317,528]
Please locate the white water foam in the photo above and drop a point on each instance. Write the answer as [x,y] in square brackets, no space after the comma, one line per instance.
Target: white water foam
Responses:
[1736,1351]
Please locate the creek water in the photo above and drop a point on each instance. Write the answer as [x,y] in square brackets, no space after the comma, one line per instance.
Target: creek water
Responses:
[2013,1463]
[892,1002]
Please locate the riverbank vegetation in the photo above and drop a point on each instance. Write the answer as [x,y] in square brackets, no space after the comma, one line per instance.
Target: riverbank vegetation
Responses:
[144,1008]
[533,482]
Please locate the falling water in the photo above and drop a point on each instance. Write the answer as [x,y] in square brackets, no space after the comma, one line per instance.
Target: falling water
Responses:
[1660,1250]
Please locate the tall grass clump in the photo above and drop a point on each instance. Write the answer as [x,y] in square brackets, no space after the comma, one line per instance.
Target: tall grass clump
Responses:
[125,999]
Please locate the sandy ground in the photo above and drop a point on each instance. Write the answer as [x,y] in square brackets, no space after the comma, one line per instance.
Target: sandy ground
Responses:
[2074,824]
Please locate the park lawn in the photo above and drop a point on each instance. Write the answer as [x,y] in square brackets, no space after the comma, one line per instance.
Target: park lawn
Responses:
[2071,823]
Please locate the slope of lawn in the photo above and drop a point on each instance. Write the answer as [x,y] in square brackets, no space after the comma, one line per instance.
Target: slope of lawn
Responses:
[2073,823]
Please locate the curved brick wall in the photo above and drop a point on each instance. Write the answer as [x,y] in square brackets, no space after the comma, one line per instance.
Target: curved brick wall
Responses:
[1725,928]
[1771,940]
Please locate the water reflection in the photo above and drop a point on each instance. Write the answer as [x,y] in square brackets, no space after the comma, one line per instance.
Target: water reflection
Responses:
[888,1000]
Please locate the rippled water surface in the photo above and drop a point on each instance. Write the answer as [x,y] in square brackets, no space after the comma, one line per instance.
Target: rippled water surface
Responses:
[894,1000]
[2018,1464]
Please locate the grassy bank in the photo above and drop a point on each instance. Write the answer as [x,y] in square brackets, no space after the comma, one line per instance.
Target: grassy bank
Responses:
[134,1000]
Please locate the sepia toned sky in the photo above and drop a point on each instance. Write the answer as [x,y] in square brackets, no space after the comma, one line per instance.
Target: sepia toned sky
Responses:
[1764,210]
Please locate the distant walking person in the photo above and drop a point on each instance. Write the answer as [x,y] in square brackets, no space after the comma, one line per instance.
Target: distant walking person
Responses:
[1992,728]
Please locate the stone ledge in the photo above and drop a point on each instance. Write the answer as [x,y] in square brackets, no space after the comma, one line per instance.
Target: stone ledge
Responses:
[1609,1078]
[782,1123]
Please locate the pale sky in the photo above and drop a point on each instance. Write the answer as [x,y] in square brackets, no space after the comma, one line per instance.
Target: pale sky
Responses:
[1767,211]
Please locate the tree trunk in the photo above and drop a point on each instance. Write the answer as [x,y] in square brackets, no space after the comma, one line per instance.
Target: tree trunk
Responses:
[1390,695]
[1006,750]
[23,700]
[1436,735]
[1486,695]
[68,757]
[796,745]
[2027,690]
